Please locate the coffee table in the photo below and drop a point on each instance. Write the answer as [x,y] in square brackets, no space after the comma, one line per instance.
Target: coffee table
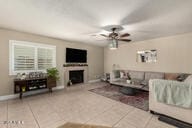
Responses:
[128,88]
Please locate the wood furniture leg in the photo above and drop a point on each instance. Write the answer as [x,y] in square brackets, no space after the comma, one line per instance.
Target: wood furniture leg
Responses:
[21,92]
[21,95]
[50,90]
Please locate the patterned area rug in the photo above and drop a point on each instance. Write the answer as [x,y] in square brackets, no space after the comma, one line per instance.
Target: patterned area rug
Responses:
[76,125]
[140,100]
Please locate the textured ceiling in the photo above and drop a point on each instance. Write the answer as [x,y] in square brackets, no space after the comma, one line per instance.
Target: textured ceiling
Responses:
[78,20]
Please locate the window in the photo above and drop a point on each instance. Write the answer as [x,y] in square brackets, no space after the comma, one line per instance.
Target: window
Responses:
[27,57]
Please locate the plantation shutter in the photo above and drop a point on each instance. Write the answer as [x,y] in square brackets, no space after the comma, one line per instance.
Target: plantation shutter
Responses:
[24,58]
[45,58]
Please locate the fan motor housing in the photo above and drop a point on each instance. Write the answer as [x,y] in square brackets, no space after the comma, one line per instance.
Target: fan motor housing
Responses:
[113,35]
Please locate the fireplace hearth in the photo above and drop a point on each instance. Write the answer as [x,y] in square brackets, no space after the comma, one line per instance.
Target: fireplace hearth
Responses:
[76,76]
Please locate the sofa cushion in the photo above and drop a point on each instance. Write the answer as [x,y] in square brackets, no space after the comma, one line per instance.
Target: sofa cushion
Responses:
[171,76]
[136,81]
[154,75]
[136,75]
[145,82]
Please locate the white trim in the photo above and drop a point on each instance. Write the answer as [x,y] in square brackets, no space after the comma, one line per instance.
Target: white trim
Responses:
[94,81]
[15,96]
[7,97]
[32,44]
[59,87]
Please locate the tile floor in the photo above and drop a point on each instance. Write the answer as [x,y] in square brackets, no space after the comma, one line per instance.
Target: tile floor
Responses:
[75,104]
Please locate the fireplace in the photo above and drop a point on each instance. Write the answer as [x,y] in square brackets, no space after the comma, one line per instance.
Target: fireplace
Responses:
[76,76]
[68,69]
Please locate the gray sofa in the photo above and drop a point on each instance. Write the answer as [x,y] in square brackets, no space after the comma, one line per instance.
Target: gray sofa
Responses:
[119,77]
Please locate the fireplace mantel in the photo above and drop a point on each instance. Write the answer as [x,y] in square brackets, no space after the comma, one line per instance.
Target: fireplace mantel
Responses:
[72,68]
[74,64]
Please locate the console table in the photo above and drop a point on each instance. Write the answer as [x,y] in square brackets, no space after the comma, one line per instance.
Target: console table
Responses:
[26,85]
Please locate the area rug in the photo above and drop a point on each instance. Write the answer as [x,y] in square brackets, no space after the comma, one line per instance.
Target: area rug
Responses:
[140,100]
[76,125]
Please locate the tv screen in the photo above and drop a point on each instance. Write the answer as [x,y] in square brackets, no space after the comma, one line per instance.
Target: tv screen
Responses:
[76,55]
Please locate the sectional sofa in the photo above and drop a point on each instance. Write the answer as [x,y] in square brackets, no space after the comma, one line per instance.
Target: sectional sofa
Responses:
[143,77]
[119,77]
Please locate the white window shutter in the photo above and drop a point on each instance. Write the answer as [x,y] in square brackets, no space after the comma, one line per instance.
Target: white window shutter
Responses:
[24,58]
[45,58]
[29,57]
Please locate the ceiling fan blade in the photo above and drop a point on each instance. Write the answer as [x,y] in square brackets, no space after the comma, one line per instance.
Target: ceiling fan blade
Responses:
[126,40]
[125,35]
[104,35]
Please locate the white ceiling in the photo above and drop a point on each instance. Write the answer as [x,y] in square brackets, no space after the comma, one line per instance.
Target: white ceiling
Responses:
[78,20]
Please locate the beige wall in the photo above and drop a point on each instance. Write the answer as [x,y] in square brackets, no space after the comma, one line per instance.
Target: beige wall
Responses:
[174,54]
[95,56]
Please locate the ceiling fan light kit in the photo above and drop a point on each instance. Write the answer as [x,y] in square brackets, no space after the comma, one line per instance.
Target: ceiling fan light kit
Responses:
[113,45]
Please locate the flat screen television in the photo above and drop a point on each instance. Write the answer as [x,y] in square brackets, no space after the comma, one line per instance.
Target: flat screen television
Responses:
[76,55]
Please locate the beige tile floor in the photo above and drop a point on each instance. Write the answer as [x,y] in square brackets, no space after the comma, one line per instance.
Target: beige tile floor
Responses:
[75,104]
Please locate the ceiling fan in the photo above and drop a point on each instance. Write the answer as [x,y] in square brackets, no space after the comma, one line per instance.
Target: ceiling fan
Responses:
[114,36]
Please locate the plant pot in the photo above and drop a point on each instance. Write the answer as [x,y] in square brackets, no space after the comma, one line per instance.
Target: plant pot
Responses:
[51,82]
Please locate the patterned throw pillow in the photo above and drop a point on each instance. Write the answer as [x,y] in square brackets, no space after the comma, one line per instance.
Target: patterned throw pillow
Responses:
[182,77]
[122,74]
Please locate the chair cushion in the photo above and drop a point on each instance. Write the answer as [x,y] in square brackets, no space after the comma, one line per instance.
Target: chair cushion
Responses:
[154,75]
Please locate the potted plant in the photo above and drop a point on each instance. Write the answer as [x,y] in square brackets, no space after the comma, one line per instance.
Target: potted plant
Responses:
[52,77]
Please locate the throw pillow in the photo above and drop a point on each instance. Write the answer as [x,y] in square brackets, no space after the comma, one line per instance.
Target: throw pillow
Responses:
[122,74]
[171,76]
[188,79]
[128,76]
[182,77]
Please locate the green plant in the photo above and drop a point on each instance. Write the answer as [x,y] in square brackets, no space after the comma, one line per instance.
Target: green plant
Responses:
[54,73]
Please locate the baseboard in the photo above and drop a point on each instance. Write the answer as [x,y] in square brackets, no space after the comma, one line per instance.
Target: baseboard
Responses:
[59,87]
[94,81]
[14,96]
[8,97]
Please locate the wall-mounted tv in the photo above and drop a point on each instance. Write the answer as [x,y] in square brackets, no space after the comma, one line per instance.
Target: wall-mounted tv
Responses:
[76,55]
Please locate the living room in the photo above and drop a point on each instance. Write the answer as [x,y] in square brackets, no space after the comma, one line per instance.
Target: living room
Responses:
[98,64]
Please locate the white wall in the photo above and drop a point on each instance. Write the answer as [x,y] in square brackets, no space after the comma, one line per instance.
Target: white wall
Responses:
[174,54]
